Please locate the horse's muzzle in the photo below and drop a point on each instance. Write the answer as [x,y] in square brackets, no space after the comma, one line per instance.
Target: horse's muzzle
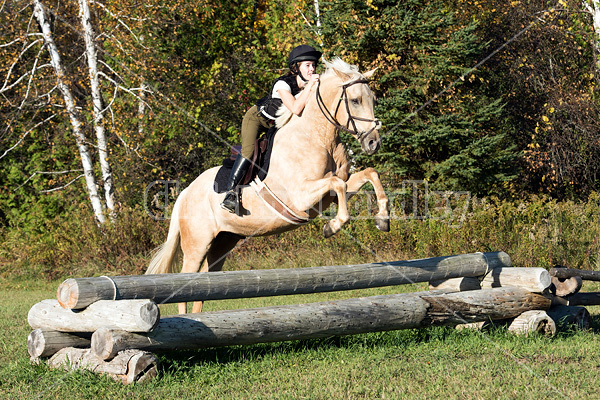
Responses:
[371,143]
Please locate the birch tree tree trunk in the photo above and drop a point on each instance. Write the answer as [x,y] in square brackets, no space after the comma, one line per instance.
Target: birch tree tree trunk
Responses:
[74,116]
[142,109]
[318,19]
[593,7]
[98,105]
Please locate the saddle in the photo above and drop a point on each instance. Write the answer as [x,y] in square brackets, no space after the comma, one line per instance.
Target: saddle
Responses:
[260,162]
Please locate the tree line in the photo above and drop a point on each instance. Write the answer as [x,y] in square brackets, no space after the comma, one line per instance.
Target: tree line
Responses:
[100,98]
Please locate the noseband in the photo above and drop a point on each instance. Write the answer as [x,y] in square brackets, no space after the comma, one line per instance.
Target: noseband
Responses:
[351,119]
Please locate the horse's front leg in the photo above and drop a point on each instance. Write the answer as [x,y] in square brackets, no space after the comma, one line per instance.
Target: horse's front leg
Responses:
[357,181]
[333,226]
[314,192]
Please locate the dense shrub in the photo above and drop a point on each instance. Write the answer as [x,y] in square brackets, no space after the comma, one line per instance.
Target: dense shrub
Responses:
[75,246]
[539,232]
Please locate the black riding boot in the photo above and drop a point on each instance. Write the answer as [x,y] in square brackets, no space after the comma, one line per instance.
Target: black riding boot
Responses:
[240,167]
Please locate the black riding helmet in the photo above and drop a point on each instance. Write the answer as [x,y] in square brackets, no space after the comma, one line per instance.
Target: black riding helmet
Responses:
[302,53]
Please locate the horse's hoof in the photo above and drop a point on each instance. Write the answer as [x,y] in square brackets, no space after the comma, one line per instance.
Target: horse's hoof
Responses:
[328,231]
[383,224]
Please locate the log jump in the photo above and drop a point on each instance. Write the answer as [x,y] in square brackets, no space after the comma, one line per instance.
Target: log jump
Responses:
[110,323]
[318,320]
[181,287]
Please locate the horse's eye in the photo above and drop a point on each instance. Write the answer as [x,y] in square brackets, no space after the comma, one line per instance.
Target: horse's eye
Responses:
[356,102]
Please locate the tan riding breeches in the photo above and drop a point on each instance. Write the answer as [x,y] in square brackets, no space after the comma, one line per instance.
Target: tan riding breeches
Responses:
[253,124]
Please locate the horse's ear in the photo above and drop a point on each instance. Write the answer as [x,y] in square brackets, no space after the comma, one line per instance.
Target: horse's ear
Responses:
[341,75]
[370,74]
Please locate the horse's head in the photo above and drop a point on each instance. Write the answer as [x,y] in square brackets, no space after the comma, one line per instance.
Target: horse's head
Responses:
[352,109]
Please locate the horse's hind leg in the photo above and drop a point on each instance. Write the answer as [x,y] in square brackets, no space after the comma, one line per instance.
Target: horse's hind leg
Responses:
[218,252]
[195,248]
[190,264]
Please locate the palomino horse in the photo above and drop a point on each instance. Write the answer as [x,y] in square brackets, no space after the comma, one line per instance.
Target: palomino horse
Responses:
[309,163]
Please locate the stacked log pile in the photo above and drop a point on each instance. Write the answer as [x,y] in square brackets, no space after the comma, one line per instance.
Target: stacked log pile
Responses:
[560,285]
[65,336]
[110,324]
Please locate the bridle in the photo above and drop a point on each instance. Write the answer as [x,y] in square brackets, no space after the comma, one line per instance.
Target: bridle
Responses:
[351,119]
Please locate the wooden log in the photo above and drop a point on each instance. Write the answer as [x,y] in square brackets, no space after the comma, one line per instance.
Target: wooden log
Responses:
[173,288]
[536,280]
[476,326]
[485,325]
[565,273]
[107,349]
[567,316]
[456,284]
[533,321]
[567,286]
[127,315]
[44,343]
[129,366]
[524,324]
[578,299]
[316,320]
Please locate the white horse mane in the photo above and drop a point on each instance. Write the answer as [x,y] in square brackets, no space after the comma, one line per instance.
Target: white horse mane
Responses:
[335,65]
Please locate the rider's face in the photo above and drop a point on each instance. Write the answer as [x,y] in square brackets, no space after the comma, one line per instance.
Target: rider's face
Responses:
[307,68]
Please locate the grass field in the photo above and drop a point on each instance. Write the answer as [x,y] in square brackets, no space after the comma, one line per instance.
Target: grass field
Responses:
[439,363]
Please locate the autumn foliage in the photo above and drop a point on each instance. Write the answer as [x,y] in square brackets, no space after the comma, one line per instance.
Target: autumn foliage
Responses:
[494,98]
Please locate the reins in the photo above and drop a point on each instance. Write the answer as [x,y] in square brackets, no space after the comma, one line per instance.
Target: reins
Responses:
[331,118]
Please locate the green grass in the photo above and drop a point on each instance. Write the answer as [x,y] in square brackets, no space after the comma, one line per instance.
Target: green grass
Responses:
[429,363]
[417,364]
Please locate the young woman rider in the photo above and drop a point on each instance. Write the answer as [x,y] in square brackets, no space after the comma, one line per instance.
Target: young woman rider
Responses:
[287,90]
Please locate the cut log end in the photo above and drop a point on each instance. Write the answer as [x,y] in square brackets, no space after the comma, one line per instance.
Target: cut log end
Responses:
[534,321]
[103,344]
[141,367]
[36,344]
[149,315]
[566,287]
[44,343]
[67,294]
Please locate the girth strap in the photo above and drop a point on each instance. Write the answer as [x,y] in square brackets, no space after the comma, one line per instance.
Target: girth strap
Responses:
[278,206]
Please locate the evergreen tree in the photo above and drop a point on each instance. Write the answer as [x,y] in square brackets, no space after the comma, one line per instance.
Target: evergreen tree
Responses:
[549,81]
[439,124]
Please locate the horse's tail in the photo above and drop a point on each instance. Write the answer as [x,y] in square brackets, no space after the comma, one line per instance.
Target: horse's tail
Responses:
[166,255]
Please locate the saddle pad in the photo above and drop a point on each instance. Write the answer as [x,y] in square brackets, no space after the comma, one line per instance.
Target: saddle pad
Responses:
[220,184]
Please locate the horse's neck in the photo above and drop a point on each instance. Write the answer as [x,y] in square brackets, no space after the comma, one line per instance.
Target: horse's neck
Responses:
[313,136]
[326,136]
[324,132]
[330,136]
